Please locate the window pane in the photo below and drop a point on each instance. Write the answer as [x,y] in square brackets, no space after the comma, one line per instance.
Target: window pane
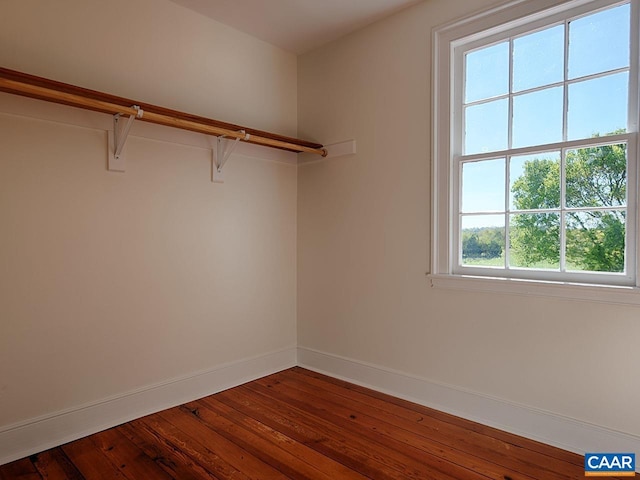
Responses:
[597,176]
[483,240]
[595,241]
[486,127]
[534,240]
[487,72]
[598,107]
[537,118]
[599,42]
[483,186]
[535,181]
[538,59]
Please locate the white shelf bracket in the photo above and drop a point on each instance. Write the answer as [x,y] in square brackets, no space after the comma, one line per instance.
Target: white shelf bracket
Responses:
[224,149]
[118,138]
[348,147]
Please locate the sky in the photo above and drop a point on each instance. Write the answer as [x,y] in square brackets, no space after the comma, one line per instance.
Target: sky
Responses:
[598,45]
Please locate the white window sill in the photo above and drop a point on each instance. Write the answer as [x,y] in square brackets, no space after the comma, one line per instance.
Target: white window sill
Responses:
[594,293]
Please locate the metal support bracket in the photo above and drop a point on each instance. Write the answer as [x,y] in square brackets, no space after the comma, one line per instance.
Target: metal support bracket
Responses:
[224,149]
[118,138]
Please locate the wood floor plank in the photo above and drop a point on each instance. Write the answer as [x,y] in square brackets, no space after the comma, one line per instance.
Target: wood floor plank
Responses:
[171,459]
[515,440]
[300,450]
[394,463]
[472,446]
[536,457]
[272,451]
[55,465]
[128,458]
[90,461]
[366,422]
[300,425]
[21,469]
[291,425]
[216,454]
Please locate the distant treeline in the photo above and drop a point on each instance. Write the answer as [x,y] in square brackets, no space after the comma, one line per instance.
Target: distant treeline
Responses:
[485,242]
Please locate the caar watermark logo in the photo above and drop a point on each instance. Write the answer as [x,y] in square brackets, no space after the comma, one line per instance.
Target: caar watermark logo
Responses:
[606,464]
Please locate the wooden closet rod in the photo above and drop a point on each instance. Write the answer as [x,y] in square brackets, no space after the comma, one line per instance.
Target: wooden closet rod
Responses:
[41,88]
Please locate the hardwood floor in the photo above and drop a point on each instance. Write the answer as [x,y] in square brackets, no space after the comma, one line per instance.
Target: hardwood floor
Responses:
[300,425]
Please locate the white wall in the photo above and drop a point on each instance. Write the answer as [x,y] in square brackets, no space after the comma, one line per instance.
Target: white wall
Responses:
[364,243]
[155,52]
[112,282]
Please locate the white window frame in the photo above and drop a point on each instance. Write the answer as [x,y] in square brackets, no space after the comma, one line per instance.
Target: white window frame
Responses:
[487,27]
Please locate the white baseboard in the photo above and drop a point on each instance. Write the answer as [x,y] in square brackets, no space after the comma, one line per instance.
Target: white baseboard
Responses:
[35,435]
[39,434]
[552,429]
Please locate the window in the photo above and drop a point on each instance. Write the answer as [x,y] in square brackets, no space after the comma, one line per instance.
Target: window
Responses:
[535,143]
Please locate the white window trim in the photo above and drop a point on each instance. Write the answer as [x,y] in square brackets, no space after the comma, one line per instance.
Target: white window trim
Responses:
[443,249]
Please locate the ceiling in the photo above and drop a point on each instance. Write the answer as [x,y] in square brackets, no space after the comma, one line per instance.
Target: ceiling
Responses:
[296,25]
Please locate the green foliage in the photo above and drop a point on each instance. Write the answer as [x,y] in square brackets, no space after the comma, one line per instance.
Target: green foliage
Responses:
[595,177]
[535,239]
[596,239]
[483,243]
[539,186]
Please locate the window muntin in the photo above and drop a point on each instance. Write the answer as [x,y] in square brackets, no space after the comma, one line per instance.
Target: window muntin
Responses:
[555,95]
[560,210]
[552,98]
